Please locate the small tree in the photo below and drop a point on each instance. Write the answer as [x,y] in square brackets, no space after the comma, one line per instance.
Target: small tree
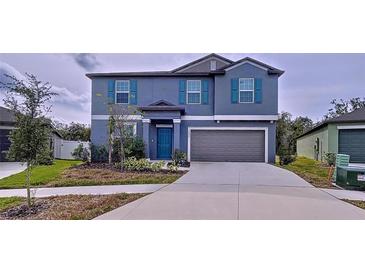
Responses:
[121,116]
[111,128]
[30,139]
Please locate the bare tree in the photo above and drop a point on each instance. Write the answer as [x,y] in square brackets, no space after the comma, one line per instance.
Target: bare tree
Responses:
[111,128]
[30,139]
[118,129]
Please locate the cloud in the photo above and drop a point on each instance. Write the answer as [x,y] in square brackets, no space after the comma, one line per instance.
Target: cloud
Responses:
[87,61]
[64,104]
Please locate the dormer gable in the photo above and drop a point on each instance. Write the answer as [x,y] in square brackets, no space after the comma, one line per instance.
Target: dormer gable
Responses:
[209,63]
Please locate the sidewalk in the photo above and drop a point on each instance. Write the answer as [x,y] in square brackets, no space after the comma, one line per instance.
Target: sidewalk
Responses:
[82,190]
[346,194]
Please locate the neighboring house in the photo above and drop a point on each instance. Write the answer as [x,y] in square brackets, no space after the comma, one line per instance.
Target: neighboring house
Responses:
[61,149]
[344,134]
[213,109]
[7,122]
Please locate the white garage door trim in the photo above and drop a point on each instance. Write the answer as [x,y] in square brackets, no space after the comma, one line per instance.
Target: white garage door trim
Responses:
[230,128]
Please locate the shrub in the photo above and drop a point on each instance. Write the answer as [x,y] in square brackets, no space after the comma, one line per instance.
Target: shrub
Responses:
[99,154]
[133,147]
[286,159]
[173,167]
[330,158]
[178,157]
[157,166]
[45,158]
[134,164]
[81,153]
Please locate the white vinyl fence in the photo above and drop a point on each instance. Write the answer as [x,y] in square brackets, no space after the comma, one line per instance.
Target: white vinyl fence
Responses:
[63,149]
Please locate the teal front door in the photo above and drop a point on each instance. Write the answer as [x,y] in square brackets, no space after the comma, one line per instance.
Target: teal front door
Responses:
[164,143]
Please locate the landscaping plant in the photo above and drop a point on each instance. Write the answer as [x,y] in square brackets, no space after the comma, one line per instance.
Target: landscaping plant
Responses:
[121,117]
[81,153]
[99,154]
[133,147]
[30,139]
[178,157]
[330,158]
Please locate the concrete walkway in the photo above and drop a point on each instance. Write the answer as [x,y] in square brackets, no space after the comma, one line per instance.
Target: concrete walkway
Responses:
[346,194]
[82,190]
[10,168]
[237,191]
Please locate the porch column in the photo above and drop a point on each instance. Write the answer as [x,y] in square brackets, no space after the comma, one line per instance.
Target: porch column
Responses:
[146,136]
[177,123]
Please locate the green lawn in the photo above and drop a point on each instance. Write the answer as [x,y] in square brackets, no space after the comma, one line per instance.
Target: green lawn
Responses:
[310,170]
[41,175]
[6,203]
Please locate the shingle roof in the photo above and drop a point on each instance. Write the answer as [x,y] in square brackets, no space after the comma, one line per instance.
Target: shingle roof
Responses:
[271,70]
[175,72]
[355,116]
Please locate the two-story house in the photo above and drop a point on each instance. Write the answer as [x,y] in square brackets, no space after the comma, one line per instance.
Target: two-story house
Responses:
[214,109]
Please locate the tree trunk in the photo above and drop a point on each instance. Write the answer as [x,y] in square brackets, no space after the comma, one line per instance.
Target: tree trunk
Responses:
[122,156]
[28,185]
[110,152]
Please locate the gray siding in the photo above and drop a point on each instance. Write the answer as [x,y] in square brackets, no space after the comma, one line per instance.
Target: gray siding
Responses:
[150,90]
[223,104]
[205,66]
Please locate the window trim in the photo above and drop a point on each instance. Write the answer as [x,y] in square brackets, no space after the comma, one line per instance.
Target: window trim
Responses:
[187,92]
[239,91]
[128,92]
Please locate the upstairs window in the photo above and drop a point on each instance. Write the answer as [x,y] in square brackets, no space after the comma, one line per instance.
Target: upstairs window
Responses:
[122,88]
[246,94]
[193,91]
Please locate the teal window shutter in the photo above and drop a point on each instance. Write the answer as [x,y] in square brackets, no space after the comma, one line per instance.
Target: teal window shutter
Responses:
[258,91]
[133,92]
[205,92]
[234,90]
[182,92]
[111,92]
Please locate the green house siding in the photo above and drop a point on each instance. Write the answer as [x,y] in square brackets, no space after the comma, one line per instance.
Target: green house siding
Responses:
[328,140]
[305,144]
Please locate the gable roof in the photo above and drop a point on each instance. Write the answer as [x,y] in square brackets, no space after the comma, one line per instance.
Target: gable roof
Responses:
[356,116]
[162,103]
[270,69]
[212,55]
[177,71]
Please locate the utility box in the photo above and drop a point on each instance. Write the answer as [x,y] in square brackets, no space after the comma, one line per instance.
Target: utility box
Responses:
[341,160]
[350,177]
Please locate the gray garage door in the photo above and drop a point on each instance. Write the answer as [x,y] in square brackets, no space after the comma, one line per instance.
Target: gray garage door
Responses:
[228,145]
[352,142]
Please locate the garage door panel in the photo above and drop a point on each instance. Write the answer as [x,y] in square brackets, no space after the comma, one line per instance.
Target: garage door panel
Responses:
[352,142]
[228,145]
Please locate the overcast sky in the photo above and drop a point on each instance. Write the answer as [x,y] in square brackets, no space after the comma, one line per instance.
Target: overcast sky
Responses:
[309,83]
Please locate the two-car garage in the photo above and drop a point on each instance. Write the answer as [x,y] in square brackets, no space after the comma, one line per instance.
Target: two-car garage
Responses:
[228,144]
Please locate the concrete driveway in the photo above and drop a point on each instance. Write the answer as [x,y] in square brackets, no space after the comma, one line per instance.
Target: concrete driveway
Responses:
[237,191]
[10,168]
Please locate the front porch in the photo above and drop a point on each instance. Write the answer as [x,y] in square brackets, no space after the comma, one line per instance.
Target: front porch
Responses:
[161,129]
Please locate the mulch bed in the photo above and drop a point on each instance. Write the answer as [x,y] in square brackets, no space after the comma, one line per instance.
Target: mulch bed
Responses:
[112,167]
[70,207]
